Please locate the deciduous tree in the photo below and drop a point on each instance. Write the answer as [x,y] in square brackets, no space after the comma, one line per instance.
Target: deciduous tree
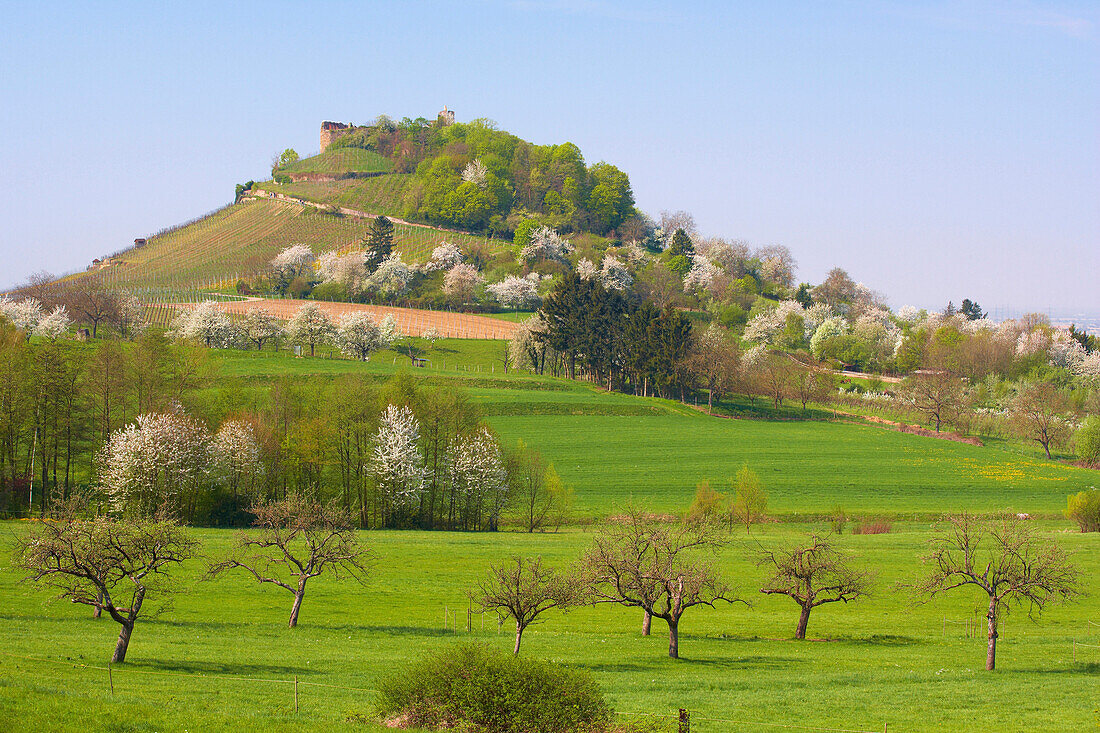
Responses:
[1006,559]
[524,589]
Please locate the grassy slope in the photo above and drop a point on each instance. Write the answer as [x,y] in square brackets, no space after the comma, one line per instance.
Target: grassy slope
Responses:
[872,662]
[242,239]
[381,195]
[342,160]
[614,448]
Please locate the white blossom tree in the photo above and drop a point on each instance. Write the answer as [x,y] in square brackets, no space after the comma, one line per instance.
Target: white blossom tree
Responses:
[349,270]
[476,173]
[56,324]
[614,275]
[516,292]
[479,476]
[396,462]
[236,458]
[392,277]
[159,460]
[701,274]
[259,326]
[830,327]
[130,316]
[359,336]
[461,283]
[445,256]
[23,314]
[294,261]
[208,324]
[586,268]
[310,325]
[546,245]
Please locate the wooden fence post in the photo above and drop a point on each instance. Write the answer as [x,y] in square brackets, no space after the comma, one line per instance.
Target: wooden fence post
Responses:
[685,722]
[110,678]
[295,694]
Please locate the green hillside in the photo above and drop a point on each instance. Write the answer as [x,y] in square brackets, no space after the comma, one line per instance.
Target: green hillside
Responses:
[240,240]
[381,195]
[341,160]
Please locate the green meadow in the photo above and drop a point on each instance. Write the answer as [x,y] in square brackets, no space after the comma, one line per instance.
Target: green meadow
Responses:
[224,660]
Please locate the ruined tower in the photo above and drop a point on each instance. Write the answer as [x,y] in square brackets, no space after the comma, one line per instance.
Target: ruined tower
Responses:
[332,130]
[447,116]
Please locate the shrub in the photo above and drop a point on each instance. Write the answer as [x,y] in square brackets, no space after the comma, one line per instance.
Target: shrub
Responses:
[839,519]
[1087,440]
[470,686]
[874,526]
[1084,508]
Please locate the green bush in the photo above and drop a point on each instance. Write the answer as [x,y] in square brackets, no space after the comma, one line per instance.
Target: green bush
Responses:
[1087,440]
[470,686]
[1084,508]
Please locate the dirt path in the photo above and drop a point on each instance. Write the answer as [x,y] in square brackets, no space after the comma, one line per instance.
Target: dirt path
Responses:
[355,213]
[411,321]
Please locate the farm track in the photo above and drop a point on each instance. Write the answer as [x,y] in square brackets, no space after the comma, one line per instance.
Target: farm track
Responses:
[411,321]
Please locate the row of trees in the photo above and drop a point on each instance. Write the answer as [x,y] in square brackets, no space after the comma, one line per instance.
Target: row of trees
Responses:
[666,569]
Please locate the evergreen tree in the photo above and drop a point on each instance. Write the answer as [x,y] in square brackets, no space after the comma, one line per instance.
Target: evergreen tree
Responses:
[379,242]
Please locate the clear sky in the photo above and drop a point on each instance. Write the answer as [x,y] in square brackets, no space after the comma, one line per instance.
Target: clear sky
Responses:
[936,150]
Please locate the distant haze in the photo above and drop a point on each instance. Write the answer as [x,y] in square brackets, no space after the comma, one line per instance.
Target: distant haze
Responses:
[934,150]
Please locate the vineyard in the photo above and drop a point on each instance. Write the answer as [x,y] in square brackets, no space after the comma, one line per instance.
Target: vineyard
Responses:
[382,195]
[341,160]
[239,242]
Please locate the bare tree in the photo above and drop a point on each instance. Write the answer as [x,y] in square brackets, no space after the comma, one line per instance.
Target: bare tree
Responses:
[1037,412]
[90,302]
[298,539]
[1006,559]
[661,568]
[811,385]
[713,358]
[936,395]
[812,574]
[106,563]
[524,589]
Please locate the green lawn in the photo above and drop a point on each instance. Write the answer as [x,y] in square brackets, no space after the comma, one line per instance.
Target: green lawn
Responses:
[882,660]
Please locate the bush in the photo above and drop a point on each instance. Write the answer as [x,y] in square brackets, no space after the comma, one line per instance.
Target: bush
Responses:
[470,686]
[1084,508]
[839,519]
[1087,440]
[875,526]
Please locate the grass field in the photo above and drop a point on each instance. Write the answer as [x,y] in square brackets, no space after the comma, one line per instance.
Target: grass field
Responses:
[382,195]
[342,160]
[878,661]
[615,448]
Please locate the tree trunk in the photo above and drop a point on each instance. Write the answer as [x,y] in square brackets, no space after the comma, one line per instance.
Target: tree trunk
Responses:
[803,620]
[519,637]
[298,596]
[647,619]
[673,639]
[991,652]
[123,642]
[98,612]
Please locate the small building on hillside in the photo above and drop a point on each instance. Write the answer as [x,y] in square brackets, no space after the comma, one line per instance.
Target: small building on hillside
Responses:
[139,242]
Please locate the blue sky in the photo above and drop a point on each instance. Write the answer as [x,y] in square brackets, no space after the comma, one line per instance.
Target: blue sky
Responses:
[935,150]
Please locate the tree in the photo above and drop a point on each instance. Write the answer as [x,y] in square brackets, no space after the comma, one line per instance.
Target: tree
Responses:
[811,385]
[935,394]
[1037,413]
[110,564]
[662,569]
[1006,559]
[91,303]
[396,462]
[379,242]
[282,160]
[812,574]
[54,325]
[1084,509]
[236,457]
[259,326]
[1087,440]
[516,292]
[298,539]
[293,262]
[681,245]
[359,336]
[837,291]
[208,324]
[971,310]
[479,478]
[461,284]
[714,358]
[310,325]
[750,501]
[540,498]
[524,590]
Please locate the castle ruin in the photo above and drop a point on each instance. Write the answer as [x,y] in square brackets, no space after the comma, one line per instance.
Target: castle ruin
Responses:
[333,130]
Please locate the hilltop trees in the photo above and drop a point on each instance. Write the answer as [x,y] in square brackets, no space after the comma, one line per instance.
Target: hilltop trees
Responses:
[812,574]
[298,539]
[1006,560]
[106,563]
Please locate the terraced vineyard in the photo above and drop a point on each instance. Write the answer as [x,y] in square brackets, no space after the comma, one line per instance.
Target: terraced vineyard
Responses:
[382,195]
[342,160]
[240,240]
